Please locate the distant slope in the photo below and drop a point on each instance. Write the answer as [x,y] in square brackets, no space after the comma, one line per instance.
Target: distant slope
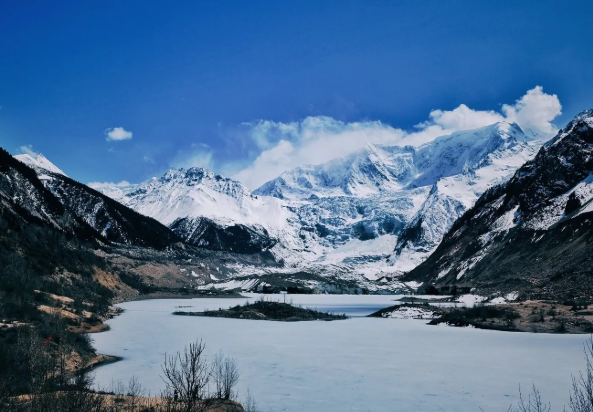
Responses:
[533,234]
[23,197]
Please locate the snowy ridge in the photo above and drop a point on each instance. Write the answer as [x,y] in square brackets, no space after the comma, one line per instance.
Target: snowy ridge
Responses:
[107,218]
[197,192]
[39,162]
[210,210]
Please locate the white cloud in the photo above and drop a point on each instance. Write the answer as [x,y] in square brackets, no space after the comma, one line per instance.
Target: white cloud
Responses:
[534,110]
[98,185]
[116,134]
[27,149]
[204,145]
[464,118]
[314,140]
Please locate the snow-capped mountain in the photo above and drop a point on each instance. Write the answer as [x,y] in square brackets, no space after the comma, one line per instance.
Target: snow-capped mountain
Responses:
[366,217]
[396,203]
[370,216]
[108,219]
[532,234]
[208,210]
[39,162]
[23,198]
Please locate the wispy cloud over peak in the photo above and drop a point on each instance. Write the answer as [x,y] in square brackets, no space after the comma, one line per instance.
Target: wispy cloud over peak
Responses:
[318,139]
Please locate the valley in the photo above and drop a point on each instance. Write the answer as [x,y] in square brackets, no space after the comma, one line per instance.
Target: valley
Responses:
[335,206]
[488,215]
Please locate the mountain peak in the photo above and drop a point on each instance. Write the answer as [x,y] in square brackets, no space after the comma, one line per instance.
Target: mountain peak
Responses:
[530,212]
[39,162]
[580,123]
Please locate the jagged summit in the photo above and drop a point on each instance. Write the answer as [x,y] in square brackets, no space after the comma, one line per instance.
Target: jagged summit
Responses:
[582,122]
[207,209]
[194,192]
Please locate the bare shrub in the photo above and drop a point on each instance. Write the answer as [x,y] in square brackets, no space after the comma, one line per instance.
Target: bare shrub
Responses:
[581,397]
[134,391]
[534,402]
[250,403]
[186,376]
[225,375]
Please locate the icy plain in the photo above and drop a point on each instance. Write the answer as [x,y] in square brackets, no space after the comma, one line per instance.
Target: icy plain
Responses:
[359,364]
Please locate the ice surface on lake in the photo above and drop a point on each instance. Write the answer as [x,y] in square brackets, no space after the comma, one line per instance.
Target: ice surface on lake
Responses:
[359,364]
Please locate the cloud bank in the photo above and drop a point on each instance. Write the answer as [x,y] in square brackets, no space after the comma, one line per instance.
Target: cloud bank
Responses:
[117,134]
[314,140]
[100,185]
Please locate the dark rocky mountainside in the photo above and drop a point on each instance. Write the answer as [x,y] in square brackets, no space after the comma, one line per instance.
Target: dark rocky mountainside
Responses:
[237,238]
[24,198]
[532,235]
[111,220]
[43,246]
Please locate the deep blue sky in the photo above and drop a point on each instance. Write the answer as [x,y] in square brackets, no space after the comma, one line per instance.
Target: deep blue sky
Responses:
[179,73]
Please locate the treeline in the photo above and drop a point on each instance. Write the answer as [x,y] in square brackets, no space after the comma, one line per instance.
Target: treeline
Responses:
[32,257]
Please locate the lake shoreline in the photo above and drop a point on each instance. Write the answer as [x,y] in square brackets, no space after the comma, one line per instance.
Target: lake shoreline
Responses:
[288,365]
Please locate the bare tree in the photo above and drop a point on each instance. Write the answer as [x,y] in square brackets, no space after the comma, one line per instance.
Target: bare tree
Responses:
[226,376]
[581,397]
[534,402]
[133,392]
[59,337]
[250,404]
[217,373]
[32,350]
[186,375]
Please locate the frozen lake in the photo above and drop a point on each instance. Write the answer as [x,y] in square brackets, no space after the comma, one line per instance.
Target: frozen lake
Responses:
[359,364]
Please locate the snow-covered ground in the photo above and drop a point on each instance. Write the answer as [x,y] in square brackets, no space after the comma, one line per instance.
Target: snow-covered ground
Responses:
[359,364]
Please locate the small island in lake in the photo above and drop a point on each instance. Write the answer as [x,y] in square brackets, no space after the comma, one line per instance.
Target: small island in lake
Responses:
[267,310]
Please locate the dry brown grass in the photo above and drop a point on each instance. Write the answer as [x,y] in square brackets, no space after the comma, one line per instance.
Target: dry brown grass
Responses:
[547,317]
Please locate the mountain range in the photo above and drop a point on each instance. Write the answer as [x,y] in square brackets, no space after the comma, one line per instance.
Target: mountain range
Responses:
[466,210]
[368,217]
